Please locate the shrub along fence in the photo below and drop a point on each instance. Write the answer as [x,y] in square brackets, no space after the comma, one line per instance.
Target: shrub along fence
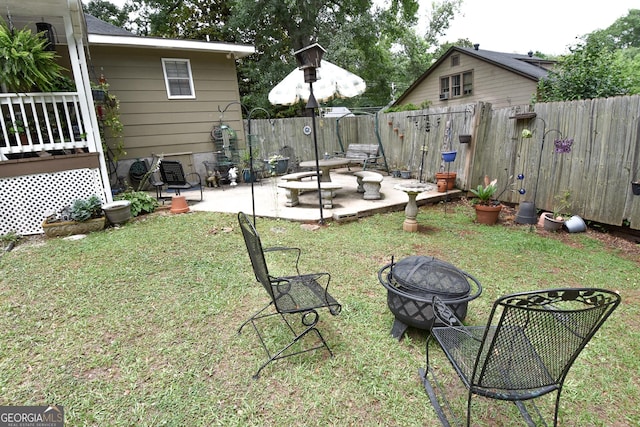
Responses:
[583,154]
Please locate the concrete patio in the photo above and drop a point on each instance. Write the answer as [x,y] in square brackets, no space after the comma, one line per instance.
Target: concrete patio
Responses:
[348,204]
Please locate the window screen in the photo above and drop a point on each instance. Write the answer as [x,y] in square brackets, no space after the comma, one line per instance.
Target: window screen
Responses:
[178,79]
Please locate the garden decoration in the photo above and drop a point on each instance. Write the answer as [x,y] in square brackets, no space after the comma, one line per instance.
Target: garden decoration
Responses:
[233,176]
[423,123]
[561,145]
[448,153]
[411,210]
[250,139]
[82,216]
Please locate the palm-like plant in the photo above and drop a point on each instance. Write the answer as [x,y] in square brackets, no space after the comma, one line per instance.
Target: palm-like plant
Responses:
[484,193]
[25,63]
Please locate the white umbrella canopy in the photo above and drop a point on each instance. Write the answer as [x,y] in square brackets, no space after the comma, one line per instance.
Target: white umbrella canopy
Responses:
[333,81]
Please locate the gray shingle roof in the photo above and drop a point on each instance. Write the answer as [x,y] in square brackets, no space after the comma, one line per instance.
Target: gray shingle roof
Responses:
[528,66]
[97,26]
[525,64]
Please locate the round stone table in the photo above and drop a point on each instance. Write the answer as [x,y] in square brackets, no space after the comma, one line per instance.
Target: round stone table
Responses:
[411,211]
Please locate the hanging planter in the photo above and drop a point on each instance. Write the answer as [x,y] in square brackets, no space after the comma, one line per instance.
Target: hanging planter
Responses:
[635,188]
[464,139]
[449,156]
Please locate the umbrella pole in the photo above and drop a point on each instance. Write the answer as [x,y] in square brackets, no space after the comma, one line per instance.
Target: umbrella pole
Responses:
[312,104]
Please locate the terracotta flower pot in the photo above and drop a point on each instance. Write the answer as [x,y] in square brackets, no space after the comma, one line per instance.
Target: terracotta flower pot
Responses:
[445,181]
[487,214]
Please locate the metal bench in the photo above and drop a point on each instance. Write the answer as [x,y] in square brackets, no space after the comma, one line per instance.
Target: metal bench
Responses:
[293,189]
[369,184]
[364,154]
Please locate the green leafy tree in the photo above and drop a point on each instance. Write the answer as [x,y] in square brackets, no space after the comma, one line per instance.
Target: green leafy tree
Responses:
[591,70]
[626,30]
[183,19]
[108,12]
[378,43]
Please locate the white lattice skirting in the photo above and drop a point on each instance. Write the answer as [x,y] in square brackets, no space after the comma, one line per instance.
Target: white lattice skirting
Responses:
[26,200]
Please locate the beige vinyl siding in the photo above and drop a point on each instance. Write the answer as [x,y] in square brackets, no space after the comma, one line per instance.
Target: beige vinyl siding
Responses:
[152,122]
[493,84]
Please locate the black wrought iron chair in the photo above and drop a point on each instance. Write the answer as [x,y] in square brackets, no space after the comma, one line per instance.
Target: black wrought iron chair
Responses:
[524,352]
[175,179]
[298,294]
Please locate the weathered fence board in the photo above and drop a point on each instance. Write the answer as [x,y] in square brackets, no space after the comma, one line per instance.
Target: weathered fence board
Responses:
[596,172]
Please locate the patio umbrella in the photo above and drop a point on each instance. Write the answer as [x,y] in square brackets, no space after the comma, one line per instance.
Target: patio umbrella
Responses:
[333,81]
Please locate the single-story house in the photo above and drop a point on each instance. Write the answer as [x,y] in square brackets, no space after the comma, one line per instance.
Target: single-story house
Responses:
[468,75]
[171,96]
[171,92]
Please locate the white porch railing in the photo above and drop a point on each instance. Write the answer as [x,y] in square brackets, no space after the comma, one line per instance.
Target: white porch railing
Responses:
[36,123]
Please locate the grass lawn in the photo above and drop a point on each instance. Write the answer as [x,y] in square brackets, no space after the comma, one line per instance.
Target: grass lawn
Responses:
[137,325]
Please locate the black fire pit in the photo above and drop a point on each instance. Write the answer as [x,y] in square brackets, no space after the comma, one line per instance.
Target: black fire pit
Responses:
[413,281]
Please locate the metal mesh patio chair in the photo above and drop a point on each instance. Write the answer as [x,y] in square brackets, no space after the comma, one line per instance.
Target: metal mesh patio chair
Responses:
[175,179]
[524,352]
[298,294]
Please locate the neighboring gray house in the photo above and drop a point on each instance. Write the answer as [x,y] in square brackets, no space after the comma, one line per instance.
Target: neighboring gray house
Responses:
[467,75]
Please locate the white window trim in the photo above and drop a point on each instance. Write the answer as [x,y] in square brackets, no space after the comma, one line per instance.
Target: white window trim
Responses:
[166,79]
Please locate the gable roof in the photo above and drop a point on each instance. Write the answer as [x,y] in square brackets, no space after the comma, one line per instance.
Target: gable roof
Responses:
[528,66]
[106,34]
[98,26]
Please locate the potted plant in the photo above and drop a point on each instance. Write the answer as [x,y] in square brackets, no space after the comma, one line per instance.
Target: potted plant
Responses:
[277,164]
[249,172]
[25,62]
[487,209]
[445,181]
[18,127]
[81,217]
[553,221]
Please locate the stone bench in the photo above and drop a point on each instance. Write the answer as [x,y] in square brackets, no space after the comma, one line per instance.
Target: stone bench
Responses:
[298,176]
[293,189]
[369,184]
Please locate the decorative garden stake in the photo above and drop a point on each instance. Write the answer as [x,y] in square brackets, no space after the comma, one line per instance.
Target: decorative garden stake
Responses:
[563,145]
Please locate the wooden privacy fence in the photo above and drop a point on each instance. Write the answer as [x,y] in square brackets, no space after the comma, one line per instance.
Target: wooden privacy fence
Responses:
[598,152]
